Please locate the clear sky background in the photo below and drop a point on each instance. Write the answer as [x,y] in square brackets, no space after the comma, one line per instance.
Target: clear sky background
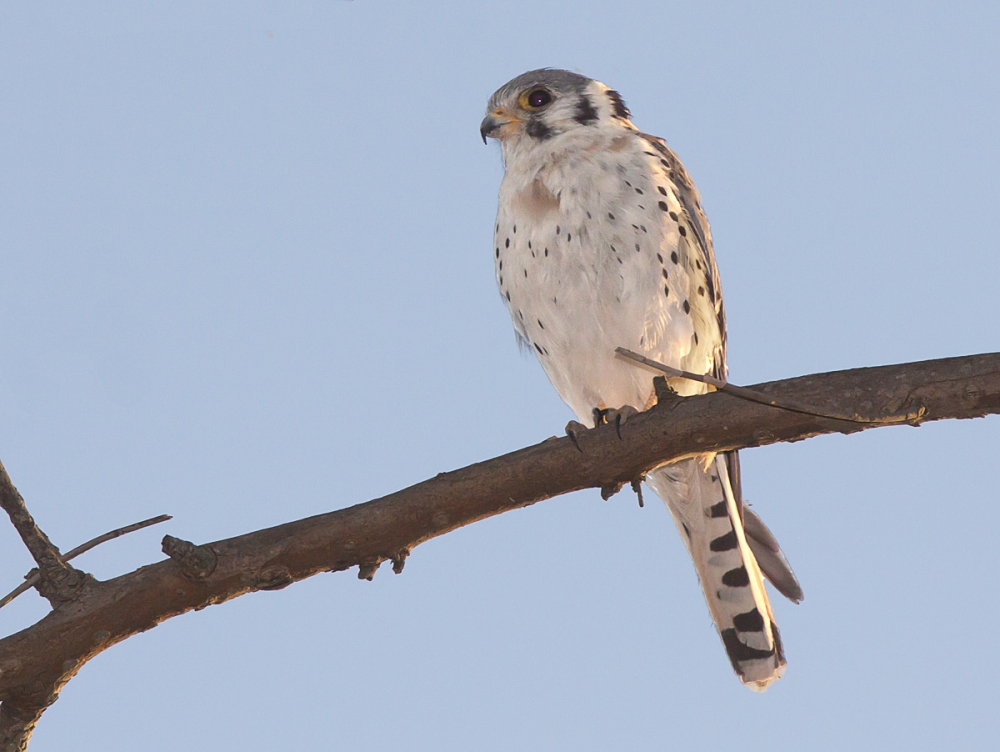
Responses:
[245,277]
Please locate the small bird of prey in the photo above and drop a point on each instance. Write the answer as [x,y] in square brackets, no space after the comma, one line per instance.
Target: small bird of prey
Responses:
[601,242]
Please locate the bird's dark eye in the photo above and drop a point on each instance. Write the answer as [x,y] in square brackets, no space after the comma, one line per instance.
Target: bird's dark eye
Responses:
[538,98]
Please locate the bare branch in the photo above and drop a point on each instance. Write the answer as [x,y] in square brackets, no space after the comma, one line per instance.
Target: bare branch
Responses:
[37,661]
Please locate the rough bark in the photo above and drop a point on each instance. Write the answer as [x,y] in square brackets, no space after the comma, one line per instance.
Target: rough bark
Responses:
[36,662]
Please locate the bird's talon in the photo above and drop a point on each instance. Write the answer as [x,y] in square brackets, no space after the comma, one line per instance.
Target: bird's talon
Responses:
[572,429]
[611,416]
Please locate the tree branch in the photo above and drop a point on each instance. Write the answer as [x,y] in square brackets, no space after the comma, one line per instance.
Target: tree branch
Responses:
[37,661]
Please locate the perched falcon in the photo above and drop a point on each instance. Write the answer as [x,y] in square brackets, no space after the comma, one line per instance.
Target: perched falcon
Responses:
[601,242]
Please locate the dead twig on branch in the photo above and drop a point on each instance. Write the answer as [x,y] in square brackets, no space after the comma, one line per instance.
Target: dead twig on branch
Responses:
[759,397]
[36,662]
[32,579]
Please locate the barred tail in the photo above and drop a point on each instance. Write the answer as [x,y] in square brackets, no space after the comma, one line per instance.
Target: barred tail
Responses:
[707,511]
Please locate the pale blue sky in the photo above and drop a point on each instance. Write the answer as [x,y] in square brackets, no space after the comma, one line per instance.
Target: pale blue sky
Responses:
[245,260]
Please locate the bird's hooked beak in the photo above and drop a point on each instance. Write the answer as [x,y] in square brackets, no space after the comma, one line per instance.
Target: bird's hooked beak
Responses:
[493,124]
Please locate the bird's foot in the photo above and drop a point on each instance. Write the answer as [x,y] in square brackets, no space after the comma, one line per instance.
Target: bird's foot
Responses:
[574,429]
[613,417]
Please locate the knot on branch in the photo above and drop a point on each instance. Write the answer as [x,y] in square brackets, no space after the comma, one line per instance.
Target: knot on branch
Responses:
[273,578]
[367,569]
[60,585]
[399,560]
[610,489]
[196,562]
[665,394]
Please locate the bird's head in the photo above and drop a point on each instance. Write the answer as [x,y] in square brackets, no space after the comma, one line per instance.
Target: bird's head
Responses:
[541,105]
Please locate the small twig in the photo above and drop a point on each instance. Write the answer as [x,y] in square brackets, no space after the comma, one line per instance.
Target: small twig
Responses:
[32,579]
[760,397]
[637,487]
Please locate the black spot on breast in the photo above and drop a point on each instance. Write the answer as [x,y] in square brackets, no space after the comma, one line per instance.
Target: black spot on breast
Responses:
[546,251]
[618,105]
[682,230]
[662,190]
[725,542]
[673,216]
[538,130]
[696,338]
[558,229]
[526,276]
[665,163]
[540,324]
[658,257]
[515,229]
[666,291]
[569,236]
[639,191]
[508,296]
[529,245]
[698,264]
[540,351]
[611,216]
[687,306]
[637,248]
[673,256]
[665,274]
[498,251]
[501,265]
[585,112]
[507,243]
[736,577]
[718,510]
[588,216]
[663,206]
[701,290]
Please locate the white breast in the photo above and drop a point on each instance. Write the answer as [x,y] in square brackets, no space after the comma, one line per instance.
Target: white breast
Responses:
[589,257]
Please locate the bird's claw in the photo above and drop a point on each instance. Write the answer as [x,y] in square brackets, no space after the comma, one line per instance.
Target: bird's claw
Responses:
[614,417]
[572,429]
